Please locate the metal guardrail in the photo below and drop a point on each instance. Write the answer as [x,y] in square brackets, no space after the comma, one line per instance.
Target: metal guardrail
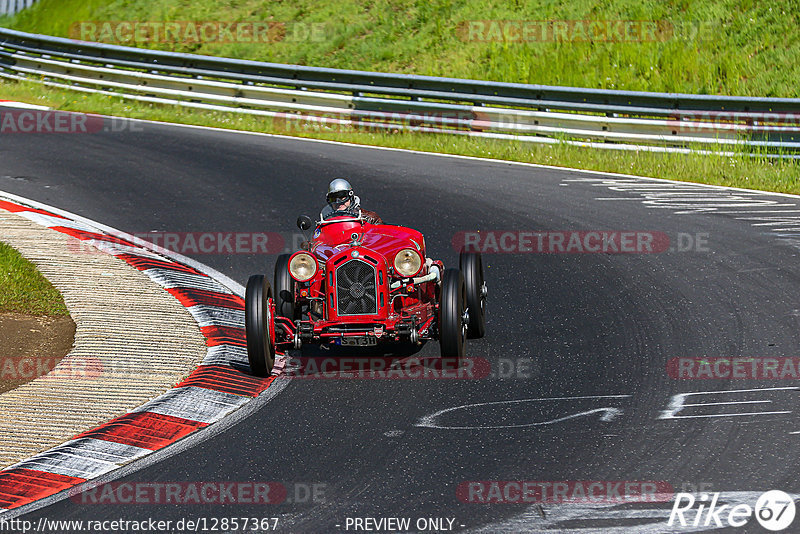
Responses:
[11,7]
[297,95]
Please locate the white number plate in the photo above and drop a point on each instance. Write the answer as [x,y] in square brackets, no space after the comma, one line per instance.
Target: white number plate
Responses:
[353,341]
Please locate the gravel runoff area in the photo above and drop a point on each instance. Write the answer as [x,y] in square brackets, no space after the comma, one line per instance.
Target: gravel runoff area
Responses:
[133,341]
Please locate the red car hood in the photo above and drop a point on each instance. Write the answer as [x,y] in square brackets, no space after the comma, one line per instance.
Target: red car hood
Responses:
[384,239]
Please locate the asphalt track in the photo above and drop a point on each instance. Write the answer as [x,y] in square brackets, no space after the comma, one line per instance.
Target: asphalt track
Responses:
[583,325]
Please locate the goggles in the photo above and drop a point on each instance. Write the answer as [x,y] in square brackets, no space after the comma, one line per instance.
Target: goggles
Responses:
[339,196]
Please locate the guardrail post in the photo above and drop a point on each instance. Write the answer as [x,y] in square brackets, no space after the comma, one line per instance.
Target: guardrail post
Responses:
[12,7]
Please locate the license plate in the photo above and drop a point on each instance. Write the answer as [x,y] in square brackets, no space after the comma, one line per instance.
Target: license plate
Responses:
[360,341]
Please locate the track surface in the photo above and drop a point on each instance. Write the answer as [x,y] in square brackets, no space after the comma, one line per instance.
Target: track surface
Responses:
[587,324]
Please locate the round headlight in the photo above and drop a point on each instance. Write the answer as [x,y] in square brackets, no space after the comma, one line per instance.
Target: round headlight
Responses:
[407,262]
[302,266]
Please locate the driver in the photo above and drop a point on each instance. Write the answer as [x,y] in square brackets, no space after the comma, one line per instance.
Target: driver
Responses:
[343,201]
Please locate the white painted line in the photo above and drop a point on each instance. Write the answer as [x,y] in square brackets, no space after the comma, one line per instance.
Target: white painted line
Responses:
[22,105]
[728,403]
[711,202]
[700,200]
[692,199]
[757,211]
[728,391]
[677,404]
[623,185]
[633,180]
[776,222]
[725,415]
[638,199]
[688,196]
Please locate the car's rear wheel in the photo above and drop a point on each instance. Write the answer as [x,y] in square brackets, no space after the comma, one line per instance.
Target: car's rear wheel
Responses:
[259,325]
[471,266]
[453,315]
[284,288]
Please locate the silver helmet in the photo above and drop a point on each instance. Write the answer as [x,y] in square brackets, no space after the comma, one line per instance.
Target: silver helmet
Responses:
[339,192]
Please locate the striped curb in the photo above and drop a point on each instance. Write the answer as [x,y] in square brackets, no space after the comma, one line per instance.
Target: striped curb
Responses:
[133,341]
[217,387]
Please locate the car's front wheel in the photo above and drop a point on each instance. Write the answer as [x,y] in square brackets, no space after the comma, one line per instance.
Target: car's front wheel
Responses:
[453,316]
[472,267]
[259,325]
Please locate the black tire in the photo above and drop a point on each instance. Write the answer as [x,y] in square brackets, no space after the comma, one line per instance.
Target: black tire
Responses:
[284,288]
[257,323]
[452,332]
[471,266]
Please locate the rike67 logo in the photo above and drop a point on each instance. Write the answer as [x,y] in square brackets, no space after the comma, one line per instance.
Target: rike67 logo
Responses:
[774,510]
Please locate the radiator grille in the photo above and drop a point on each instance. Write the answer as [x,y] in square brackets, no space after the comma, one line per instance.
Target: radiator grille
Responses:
[356,291]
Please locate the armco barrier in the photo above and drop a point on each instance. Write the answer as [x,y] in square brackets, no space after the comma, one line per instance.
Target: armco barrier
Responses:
[295,95]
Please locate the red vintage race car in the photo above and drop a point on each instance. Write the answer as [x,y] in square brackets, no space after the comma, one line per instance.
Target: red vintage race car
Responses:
[360,284]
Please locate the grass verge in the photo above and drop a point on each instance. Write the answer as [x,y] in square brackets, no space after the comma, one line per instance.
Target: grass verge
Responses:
[24,290]
[735,47]
[738,170]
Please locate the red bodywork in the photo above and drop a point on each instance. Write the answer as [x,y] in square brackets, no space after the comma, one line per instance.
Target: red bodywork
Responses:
[407,311]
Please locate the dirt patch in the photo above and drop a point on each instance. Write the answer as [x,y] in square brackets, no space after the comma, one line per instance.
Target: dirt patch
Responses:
[31,346]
